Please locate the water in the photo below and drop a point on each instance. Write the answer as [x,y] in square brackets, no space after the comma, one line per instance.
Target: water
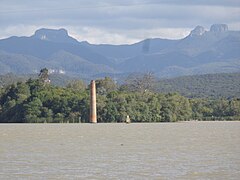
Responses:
[186,150]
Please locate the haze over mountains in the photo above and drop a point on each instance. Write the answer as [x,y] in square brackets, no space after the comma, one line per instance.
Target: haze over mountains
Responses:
[201,52]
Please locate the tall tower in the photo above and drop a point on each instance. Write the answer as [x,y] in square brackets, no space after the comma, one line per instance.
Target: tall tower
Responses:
[93,105]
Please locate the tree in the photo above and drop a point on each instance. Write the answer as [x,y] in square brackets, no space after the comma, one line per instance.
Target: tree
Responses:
[32,110]
[46,114]
[43,76]
[140,82]
[105,85]
[9,104]
[234,107]
[77,85]
[59,118]
[74,117]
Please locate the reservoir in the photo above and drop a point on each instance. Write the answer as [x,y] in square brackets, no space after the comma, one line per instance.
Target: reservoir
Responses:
[184,150]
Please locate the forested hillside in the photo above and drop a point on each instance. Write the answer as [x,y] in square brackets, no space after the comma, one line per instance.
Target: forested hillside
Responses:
[201,52]
[224,85]
[56,79]
[37,101]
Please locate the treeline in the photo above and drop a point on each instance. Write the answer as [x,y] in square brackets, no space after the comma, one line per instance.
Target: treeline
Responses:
[37,101]
[214,86]
[56,79]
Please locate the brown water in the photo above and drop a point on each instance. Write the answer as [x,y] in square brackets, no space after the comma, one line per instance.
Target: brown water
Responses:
[186,150]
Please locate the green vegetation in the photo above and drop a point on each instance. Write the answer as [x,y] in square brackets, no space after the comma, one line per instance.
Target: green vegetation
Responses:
[37,101]
[214,86]
[56,79]
[10,78]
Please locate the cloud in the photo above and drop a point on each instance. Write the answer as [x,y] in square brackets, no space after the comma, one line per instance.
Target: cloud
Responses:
[98,36]
[124,20]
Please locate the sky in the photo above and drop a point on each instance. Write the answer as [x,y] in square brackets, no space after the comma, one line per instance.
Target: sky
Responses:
[116,21]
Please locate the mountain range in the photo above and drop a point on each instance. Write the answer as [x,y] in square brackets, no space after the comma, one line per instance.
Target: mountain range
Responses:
[201,52]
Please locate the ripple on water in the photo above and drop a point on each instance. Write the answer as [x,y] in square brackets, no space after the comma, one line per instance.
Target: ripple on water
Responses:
[195,150]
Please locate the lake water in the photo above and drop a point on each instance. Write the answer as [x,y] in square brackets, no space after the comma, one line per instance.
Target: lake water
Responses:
[186,150]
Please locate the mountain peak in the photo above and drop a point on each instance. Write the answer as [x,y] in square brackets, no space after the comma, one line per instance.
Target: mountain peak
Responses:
[218,28]
[197,31]
[54,35]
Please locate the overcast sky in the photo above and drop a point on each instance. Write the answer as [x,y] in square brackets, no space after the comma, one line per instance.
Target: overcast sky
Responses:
[116,21]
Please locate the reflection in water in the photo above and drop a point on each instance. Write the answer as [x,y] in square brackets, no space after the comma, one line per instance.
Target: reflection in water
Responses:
[191,150]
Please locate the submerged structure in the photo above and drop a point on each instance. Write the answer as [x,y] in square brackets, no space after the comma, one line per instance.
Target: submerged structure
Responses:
[93,104]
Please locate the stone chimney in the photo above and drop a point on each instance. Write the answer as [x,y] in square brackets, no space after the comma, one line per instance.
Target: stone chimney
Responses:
[93,104]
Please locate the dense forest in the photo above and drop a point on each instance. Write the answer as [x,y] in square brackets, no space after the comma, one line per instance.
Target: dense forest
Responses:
[37,101]
[223,85]
[213,86]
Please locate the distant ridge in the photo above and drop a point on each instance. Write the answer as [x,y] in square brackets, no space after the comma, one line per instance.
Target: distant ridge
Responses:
[54,35]
[201,52]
